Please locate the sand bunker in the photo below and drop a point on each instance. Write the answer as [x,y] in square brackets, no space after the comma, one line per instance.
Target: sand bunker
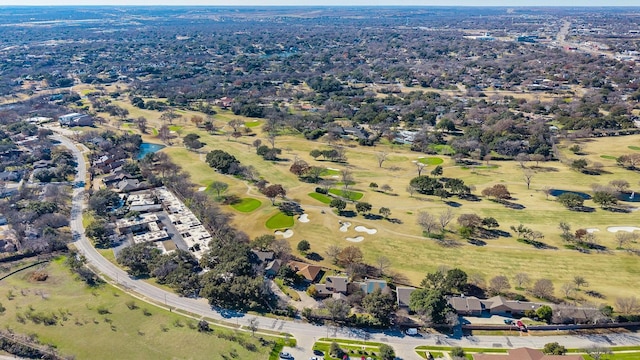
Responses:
[285,234]
[304,218]
[592,230]
[202,188]
[333,169]
[345,226]
[361,228]
[355,239]
[615,229]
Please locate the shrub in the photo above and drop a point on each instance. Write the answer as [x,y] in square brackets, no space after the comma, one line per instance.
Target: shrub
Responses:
[320,190]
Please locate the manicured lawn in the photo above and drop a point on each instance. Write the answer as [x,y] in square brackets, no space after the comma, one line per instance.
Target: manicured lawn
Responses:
[608,157]
[279,221]
[175,127]
[251,124]
[320,197]
[82,332]
[329,172]
[353,348]
[431,160]
[247,205]
[354,195]
[632,147]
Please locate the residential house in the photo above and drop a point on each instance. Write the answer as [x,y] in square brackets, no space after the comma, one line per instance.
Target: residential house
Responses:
[333,285]
[525,354]
[466,305]
[502,306]
[10,175]
[128,185]
[308,271]
[403,296]
[272,268]
[225,102]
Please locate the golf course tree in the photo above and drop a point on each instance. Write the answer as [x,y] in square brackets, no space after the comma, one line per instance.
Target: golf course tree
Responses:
[606,199]
[192,141]
[218,187]
[571,201]
[273,191]
[222,161]
[363,207]
[303,246]
[457,187]
[138,258]
[498,192]
[338,204]
[425,184]
[387,352]
[448,282]
[385,212]
[554,348]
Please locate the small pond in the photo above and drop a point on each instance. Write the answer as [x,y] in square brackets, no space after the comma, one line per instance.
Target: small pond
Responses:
[629,197]
[558,192]
[146,148]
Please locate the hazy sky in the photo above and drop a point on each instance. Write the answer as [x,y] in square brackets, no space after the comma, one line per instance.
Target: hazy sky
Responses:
[329,2]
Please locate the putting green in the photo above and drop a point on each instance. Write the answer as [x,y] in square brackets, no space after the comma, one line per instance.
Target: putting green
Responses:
[609,157]
[431,160]
[634,147]
[354,195]
[320,197]
[247,205]
[251,124]
[328,172]
[279,221]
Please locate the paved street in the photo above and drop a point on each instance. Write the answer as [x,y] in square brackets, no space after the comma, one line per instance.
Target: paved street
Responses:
[305,333]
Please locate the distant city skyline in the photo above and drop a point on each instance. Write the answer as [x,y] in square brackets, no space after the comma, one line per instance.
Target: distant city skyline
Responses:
[506,3]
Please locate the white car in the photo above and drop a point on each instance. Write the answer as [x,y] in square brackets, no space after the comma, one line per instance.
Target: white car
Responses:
[411,331]
[285,355]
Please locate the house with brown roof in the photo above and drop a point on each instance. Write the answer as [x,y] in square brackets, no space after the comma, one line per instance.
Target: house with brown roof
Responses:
[308,271]
[466,305]
[525,354]
[403,296]
[502,306]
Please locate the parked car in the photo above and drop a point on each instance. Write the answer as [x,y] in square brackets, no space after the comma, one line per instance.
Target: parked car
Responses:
[508,321]
[285,355]
[411,331]
[318,353]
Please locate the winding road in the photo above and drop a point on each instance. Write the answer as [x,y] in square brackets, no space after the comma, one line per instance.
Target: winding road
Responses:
[306,334]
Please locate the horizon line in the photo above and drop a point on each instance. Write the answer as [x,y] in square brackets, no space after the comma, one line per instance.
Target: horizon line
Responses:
[322,6]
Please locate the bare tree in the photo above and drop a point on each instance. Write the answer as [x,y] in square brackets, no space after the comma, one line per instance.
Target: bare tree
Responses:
[623,238]
[332,252]
[253,325]
[428,222]
[383,264]
[537,158]
[411,190]
[620,184]
[420,166]
[381,157]
[528,175]
[568,289]
[580,281]
[627,305]
[547,191]
[543,288]
[521,280]
[597,352]
[347,178]
[499,284]
[522,158]
[445,218]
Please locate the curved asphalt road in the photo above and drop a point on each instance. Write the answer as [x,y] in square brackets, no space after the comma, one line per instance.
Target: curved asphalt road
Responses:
[305,334]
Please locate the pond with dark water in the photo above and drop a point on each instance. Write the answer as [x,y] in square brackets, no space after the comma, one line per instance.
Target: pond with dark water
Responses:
[558,192]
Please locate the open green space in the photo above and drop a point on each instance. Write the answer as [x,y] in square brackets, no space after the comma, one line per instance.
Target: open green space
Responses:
[320,197]
[279,221]
[175,127]
[633,147]
[251,124]
[351,195]
[608,157]
[115,322]
[247,205]
[432,160]
[329,172]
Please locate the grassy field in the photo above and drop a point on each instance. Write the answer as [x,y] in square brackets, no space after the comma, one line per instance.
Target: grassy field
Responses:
[247,205]
[279,221]
[431,161]
[320,197]
[352,195]
[97,323]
